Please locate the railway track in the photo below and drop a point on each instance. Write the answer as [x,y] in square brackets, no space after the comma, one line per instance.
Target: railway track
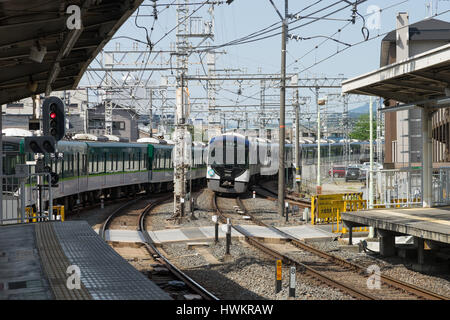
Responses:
[343,275]
[272,195]
[163,272]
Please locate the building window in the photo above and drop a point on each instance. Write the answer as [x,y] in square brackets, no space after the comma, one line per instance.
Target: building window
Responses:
[96,124]
[118,125]
[14,105]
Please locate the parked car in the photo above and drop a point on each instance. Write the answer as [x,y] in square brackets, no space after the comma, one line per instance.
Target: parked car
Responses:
[337,172]
[354,173]
[376,166]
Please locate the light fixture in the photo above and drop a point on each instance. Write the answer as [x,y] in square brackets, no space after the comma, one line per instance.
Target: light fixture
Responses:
[37,53]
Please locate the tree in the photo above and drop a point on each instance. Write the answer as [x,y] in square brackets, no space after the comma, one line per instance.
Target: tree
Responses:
[361,130]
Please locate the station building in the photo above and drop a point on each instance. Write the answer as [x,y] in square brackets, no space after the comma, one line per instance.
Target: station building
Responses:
[403,138]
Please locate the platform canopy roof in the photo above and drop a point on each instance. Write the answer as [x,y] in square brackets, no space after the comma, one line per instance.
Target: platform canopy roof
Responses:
[422,80]
[42,25]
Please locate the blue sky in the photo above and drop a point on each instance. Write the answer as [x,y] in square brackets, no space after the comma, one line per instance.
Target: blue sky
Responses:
[243,17]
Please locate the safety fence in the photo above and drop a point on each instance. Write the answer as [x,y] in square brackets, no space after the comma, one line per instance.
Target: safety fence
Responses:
[23,194]
[326,209]
[441,187]
[398,188]
[32,216]
[402,188]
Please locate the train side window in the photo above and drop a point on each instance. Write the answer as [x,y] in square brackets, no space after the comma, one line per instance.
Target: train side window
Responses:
[168,159]
[159,159]
[137,158]
[65,162]
[111,162]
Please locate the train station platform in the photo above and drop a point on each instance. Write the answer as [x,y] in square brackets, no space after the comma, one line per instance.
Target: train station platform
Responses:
[429,227]
[427,223]
[302,232]
[37,262]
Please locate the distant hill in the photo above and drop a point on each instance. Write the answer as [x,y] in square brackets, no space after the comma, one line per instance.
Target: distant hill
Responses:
[364,109]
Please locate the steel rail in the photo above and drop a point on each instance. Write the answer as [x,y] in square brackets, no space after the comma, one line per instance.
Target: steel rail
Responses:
[288,198]
[410,288]
[151,247]
[108,220]
[316,274]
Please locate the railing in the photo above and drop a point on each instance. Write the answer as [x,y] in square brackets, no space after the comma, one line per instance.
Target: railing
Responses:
[441,187]
[402,188]
[20,194]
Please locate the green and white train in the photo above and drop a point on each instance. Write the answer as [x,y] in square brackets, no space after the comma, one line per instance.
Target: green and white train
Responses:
[89,170]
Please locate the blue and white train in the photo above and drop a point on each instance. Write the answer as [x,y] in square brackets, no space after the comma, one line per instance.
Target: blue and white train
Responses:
[236,162]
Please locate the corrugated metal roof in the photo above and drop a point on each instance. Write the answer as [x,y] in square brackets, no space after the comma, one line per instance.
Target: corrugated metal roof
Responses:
[41,25]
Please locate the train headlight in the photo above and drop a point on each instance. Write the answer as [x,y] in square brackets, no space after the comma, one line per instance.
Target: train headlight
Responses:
[211,172]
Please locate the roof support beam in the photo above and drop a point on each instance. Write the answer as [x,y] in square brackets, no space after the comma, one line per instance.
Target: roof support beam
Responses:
[406,84]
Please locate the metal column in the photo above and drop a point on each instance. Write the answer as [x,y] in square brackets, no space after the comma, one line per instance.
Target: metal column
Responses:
[427,160]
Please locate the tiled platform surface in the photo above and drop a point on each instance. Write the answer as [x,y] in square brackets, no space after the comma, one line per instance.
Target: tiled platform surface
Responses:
[34,260]
[21,273]
[205,233]
[426,223]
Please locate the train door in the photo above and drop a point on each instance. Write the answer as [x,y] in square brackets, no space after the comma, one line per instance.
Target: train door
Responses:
[82,172]
[104,155]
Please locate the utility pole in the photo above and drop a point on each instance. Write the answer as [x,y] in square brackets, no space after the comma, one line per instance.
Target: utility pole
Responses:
[180,116]
[281,173]
[346,132]
[297,141]
[318,140]
[150,115]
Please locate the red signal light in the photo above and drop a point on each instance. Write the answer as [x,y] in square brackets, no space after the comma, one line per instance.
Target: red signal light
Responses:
[53,115]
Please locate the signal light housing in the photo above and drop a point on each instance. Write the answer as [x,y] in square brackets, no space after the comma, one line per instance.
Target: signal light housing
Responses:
[43,144]
[53,118]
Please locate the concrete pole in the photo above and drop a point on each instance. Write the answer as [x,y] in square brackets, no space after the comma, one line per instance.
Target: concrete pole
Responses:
[281,180]
[427,160]
[179,178]
[297,141]
[318,137]
[150,102]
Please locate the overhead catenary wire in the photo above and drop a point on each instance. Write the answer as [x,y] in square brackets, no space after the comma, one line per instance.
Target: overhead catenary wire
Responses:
[339,32]
[364,41]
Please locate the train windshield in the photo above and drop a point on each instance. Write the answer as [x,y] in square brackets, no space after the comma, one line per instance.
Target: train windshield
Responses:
[229,151]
